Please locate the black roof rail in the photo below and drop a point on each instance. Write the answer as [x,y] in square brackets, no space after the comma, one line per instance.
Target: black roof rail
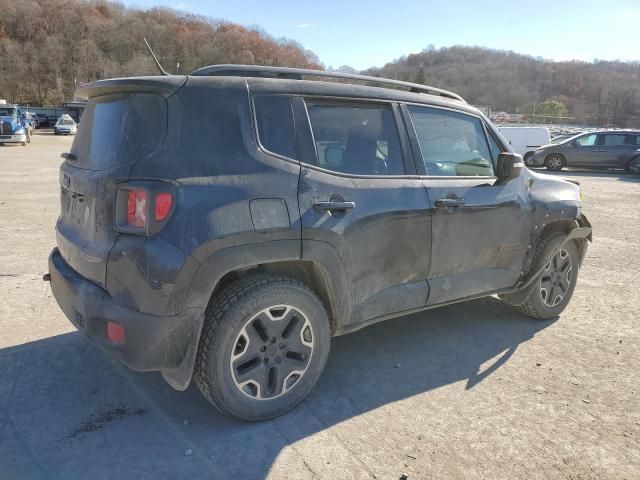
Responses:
[299,73]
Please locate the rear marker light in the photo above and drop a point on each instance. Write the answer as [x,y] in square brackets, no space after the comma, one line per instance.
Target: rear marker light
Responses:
[164,201]
[115,332]
[137,207]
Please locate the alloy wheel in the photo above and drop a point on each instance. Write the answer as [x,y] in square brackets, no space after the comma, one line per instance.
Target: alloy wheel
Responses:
[272,352]
[556,278]
[554,162]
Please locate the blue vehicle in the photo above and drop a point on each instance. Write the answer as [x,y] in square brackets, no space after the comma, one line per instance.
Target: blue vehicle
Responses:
[14,128]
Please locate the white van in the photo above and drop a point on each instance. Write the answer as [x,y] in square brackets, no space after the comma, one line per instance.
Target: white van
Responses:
[526,140]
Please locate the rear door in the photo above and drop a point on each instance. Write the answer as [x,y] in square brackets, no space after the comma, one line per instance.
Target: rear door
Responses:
[480,227]
[614,150]
[359,193]
[115,131]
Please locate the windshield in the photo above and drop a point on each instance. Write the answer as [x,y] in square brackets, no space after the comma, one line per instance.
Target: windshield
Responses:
[65,121]
[7,112]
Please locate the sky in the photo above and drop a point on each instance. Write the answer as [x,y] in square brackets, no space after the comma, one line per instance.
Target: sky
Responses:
[366,34]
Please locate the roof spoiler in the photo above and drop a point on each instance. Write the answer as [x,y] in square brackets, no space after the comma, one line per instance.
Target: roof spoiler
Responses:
[300,73]
[161,85]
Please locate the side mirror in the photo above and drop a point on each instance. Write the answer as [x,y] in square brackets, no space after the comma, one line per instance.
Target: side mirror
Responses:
[509,166]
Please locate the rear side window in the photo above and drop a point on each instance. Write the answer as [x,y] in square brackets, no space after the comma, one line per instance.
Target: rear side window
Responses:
[358,139]
[617,139]
[451,143]
[633,140]
[275,125]
[118,129]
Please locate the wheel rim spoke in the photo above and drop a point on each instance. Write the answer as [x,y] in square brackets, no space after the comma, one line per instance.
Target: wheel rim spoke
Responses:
[272,352]
[555,280]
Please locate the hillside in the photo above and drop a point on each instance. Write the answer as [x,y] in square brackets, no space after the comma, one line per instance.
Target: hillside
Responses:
[47,46]
[599,93]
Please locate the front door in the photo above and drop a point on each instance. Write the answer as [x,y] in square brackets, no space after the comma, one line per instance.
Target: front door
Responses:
[355,195]
[586,151]
[480,228]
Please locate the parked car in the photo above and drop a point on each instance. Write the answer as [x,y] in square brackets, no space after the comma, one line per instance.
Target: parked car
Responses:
[13,127]
[65,126]
[309,209]
[43,120]
[599,149]
[526,140]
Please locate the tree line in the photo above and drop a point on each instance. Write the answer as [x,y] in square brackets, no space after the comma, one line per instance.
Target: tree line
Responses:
[602,93]
[48,47]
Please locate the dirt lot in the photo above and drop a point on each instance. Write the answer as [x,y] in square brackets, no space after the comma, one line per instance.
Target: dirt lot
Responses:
[468,391]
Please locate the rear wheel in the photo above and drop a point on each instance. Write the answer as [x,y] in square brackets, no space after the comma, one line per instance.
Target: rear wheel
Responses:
[557,282]
[554,162]
[263,347]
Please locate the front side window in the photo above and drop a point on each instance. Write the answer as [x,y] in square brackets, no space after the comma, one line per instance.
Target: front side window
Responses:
[356,139]
[275,125]
[451,143]
[587,140]
[617,139]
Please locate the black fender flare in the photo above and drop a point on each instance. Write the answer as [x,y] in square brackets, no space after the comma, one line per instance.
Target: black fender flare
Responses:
[224,261]
[581,234]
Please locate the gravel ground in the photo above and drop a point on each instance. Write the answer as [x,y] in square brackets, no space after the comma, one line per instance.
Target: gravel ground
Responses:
[473,390]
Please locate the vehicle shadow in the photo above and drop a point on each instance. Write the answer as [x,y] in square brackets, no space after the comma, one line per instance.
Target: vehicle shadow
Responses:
[621,175]
[68,411]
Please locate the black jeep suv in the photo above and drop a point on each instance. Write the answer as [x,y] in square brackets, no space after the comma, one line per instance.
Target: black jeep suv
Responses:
[232,249]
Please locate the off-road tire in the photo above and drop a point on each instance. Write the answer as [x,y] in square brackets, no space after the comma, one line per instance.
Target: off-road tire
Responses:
[227,314]
[551,162]
[535,306]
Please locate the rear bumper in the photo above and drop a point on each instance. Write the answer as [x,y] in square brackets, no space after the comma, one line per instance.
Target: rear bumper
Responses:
[153,342]
[13,138]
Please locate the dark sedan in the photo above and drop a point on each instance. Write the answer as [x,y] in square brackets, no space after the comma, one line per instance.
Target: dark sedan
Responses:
[602,149]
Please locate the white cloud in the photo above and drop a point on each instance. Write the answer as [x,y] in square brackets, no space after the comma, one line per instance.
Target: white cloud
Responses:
[304,25]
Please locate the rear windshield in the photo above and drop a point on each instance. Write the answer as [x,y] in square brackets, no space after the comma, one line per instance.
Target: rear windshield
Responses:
[118,129]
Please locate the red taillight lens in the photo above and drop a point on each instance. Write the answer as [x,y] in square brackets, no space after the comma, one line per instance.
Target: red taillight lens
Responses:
[137,208]
[115,332]
[164,201]
[143,207]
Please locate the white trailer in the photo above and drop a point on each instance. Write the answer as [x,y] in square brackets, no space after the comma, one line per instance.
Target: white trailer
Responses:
[526,140]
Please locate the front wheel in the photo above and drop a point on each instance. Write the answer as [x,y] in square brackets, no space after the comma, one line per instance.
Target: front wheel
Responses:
[263,347]
[556,284]
[554,162]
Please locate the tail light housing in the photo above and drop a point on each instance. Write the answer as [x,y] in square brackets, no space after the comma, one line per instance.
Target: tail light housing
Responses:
[144,207]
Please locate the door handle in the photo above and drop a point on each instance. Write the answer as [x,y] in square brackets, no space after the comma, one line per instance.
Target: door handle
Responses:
[450,202]
[334,205]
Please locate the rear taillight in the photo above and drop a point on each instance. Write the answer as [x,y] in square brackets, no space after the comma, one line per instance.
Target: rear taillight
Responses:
[164,201]
[137,208]
[143,207]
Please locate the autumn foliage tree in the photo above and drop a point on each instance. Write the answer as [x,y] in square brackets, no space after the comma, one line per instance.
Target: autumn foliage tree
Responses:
[47,47]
